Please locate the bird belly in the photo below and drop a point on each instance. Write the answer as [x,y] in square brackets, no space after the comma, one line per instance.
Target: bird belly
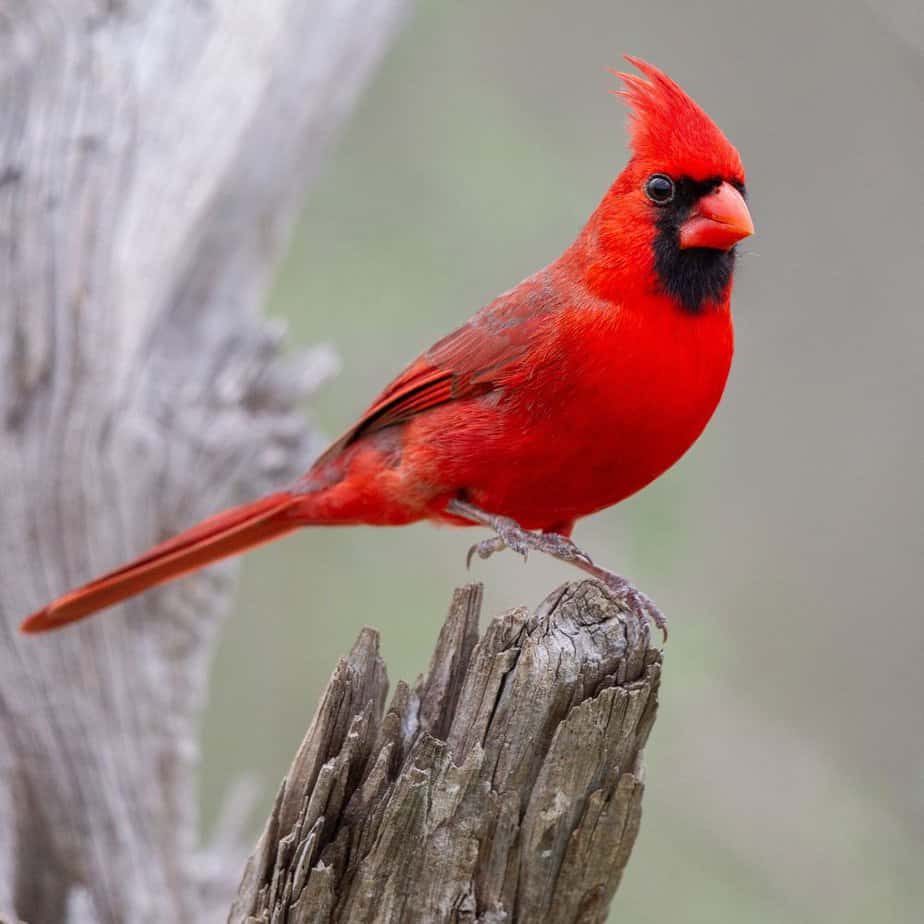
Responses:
[556,474]
[604,426]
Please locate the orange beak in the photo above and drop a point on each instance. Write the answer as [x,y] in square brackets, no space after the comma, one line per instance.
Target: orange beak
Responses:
[719,220]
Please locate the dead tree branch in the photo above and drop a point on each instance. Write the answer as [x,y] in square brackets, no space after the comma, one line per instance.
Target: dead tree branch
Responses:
[152,158]
[505,787]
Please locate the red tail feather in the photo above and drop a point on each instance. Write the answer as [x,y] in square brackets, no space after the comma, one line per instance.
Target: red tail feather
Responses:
[218,537]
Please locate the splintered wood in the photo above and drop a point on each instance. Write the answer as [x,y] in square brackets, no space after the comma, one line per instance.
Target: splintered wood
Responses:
[506,786]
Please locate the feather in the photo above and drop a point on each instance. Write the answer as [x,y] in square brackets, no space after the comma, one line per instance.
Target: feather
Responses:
[672,132]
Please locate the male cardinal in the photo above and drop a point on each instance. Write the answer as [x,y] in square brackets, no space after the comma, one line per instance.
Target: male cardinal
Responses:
[561,397]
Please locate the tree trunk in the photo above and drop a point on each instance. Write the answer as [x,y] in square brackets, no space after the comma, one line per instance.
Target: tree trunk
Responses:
[505,787]
[152,158]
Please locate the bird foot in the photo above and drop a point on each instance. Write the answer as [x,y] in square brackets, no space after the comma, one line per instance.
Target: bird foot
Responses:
[510,535]
[638,602]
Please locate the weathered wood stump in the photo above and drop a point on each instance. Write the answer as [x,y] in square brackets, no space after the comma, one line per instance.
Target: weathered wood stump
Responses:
[506,786]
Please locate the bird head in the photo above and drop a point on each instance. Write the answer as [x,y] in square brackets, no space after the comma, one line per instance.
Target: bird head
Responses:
[674,215]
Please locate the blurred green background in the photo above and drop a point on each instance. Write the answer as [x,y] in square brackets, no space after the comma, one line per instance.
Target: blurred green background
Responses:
[786,772]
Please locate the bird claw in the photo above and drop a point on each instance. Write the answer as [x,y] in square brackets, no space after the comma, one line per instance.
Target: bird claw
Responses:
[510,535]
[562,548]
[639,603]
[485,549]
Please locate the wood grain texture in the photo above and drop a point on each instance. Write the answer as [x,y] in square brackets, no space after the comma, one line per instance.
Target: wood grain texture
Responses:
[152,159]
[506,786]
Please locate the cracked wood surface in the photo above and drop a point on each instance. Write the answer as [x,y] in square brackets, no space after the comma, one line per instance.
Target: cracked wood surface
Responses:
[506,786]
[152,158]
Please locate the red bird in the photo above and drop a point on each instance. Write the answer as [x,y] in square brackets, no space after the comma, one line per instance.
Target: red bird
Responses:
[561,397]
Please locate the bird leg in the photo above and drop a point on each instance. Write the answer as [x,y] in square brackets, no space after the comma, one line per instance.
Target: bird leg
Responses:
[510,535]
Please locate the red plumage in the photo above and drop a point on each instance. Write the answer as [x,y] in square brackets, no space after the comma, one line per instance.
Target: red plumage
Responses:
[668,127]
[563,396]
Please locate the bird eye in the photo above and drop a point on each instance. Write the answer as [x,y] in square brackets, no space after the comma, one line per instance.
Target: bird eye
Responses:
[660,189]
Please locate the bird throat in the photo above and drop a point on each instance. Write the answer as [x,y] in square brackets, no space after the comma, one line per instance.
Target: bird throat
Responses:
[695,278]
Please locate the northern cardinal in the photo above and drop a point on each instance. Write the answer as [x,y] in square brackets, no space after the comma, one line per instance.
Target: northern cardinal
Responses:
[561,397]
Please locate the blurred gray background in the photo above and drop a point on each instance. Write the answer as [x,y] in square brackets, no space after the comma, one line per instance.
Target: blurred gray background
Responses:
[786,772]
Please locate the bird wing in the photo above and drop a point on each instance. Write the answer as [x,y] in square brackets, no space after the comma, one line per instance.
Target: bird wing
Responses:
[468,362]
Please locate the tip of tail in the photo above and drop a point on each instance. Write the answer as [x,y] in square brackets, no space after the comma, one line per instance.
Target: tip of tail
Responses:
[70,608]
[220,536]
[42,621]
[37,622]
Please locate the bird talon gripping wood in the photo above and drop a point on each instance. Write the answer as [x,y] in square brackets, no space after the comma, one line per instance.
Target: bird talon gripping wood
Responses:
[561,397]
[560,547]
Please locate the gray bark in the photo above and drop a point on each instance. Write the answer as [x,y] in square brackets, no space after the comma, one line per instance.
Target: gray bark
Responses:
[505,787]
[152,157]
